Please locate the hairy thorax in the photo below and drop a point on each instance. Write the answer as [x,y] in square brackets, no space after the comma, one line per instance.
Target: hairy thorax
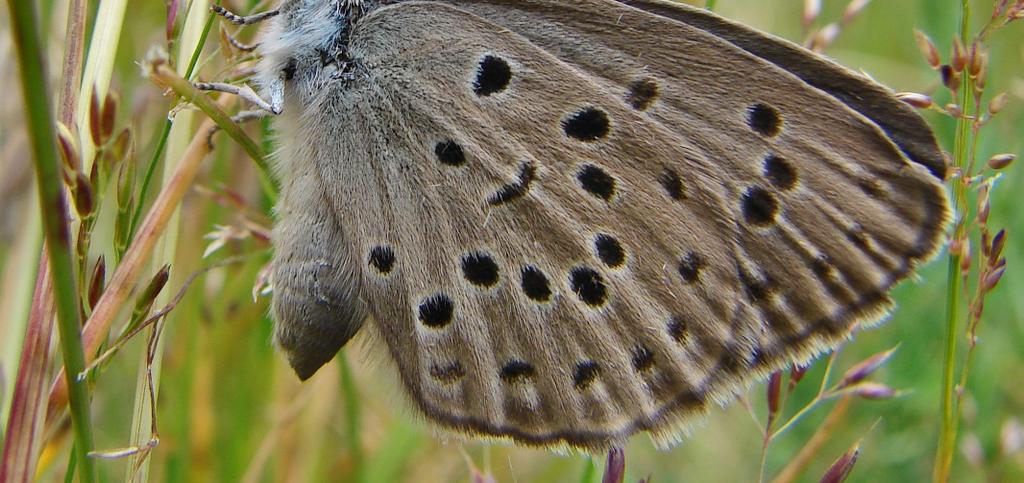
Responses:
[306,46]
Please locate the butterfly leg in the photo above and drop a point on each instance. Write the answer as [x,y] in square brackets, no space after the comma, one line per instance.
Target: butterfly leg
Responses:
[243,91]
[317,305]
[243,116]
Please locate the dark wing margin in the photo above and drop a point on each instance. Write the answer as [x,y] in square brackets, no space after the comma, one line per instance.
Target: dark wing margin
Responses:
[899,121]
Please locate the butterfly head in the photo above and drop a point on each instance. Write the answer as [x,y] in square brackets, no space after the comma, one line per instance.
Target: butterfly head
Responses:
[305,45]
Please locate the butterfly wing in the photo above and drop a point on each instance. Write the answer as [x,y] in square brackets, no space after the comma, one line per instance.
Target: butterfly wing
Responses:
[899,121]
[580,220]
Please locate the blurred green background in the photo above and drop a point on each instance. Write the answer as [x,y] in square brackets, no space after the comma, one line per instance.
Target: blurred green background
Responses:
[230,410]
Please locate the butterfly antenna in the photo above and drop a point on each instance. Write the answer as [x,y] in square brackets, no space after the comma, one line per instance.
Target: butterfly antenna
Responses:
[243,20]
[241,46]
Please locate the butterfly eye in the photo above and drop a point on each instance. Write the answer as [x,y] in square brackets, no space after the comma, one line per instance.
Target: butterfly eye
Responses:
[289,70]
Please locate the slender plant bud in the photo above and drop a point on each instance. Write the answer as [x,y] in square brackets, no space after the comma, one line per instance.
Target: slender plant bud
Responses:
[998,103]
[125,197]
[865,368]
[109,116]
[122,144]
[97,281]
[919,101]
[954,110]
[928,50]
[125,183]
[68,148]
[156,285]
[998,242]
[974,59]
[840,470]
[122,228]
[993,278]
[872,390]
[1000,263]
[84,197]
[94,174]
[1001,161]
[950,78]
[615,468]
[69,158]
[172,18]
[95,115]
[774,395]
[983,204]
[81,249]
[958,60]
[981,78]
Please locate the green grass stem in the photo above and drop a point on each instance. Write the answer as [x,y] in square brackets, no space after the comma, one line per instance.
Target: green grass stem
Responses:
[954,293]
[54,214]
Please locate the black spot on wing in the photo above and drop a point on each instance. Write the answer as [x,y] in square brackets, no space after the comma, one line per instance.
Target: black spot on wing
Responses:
[492,76]
[589,124]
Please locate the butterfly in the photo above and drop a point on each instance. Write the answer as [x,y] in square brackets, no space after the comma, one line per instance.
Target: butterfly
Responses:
[567,222]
